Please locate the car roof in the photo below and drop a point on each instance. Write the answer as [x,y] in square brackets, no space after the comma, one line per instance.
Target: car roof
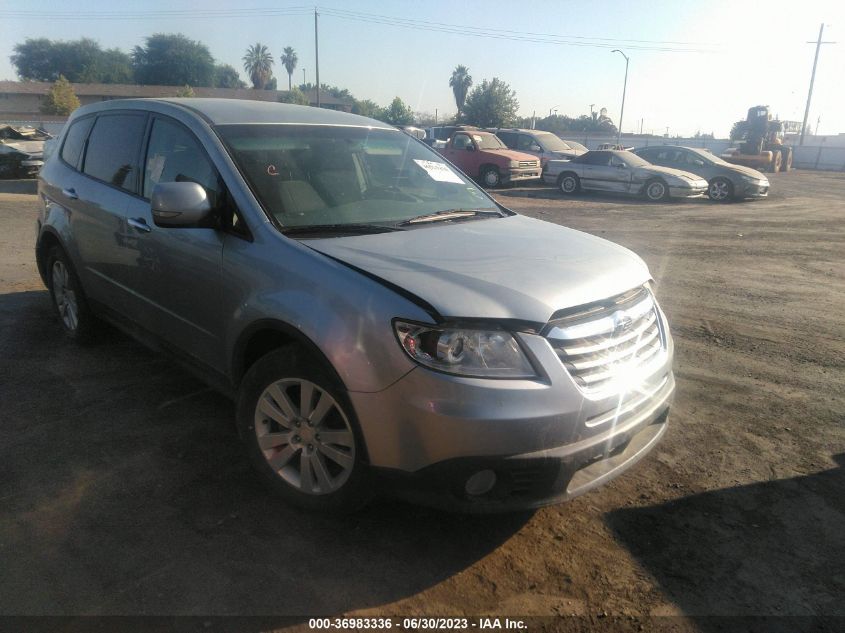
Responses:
[242,111]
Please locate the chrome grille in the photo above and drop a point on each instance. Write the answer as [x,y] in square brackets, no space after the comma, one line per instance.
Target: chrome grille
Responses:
[609,341]
[528,163]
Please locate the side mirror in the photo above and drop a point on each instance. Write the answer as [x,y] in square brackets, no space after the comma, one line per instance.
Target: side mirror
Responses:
[470,148]
[179,204]
[621,166]
[536,148]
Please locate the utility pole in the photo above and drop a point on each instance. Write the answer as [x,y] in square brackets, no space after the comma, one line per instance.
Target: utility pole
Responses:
[591,110]
[818,44]
[317,56]
[303,77]
[624,90]
[435,116]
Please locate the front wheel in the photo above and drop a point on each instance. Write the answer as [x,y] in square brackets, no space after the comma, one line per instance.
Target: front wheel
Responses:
[777,160]
[490,177]
[568,184]
[720,190]
[300,433]
[656,190]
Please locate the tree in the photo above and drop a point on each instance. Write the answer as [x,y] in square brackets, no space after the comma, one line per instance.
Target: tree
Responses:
[492,104]
[173,60]
[289,61]
[271,85]
[738,130]
[80,61]
[460,83]
[397,113]
[258,64]
[366,108]
[61,99]
[225,76]
[295,96]
[185,91]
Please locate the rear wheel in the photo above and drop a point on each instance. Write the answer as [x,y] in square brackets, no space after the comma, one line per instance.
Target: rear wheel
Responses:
[720,190]
[656,190]
[786,165]
[569,184]
[300,433]
[68,298]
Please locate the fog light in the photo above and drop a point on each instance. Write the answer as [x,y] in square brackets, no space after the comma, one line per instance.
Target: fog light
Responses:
[481,482]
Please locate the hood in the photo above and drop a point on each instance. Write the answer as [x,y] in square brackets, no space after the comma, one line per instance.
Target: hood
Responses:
[745,171]
[511,154]
[567,153]
[653,170]
[503,268]
[26,147]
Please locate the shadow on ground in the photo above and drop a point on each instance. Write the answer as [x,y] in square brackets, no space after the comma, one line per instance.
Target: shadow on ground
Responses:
[790,532]
[123,491]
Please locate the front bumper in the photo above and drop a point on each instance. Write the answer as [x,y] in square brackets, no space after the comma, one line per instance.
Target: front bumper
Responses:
[545,440]
[512,175]
[696,191]
[754,191]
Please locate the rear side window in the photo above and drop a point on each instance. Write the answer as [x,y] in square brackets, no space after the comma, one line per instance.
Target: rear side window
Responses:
[74,140]
[174,155]
[113,147]
[507,138]
[596,158]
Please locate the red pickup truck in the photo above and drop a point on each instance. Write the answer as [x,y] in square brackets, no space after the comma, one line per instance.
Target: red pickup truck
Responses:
[481,155]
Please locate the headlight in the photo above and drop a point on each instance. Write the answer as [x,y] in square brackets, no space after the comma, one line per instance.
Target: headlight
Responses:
[652,287]
[514,164]
[464,351]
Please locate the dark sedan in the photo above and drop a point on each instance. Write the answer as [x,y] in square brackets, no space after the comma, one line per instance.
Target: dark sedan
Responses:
[724,181]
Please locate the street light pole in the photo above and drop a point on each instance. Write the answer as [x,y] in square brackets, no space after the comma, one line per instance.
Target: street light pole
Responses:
[624,90]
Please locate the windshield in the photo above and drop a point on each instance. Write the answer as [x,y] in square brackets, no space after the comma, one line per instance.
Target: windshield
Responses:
[631,159]
[488,141]
[552,143]
[577,145]
[333,175]
[707,156]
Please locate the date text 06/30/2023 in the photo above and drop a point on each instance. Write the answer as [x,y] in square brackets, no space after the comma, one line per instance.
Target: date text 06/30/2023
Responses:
[416,624]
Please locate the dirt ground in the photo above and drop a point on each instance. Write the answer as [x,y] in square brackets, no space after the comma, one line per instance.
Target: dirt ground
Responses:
[123,491]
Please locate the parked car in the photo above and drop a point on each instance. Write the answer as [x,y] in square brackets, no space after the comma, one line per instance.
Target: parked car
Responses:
[481,155]
[382,323]
[614,146]
[724,181]
[622,172]
[544,145]
[416,132]
[21,151]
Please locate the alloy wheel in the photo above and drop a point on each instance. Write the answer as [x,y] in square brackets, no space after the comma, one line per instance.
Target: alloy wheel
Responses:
[568,184]
[719,190]
[64,296]
[656,190]
[305,436]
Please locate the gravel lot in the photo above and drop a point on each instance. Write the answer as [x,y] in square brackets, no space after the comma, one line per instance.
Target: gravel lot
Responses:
[123,491]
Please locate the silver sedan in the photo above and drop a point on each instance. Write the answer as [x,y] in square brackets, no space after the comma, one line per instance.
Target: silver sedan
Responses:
[622,172]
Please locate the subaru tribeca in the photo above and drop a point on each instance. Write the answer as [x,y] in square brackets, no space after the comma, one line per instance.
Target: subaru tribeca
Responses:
[382,323]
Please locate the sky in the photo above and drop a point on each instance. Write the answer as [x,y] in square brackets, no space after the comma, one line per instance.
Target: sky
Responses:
[695,66]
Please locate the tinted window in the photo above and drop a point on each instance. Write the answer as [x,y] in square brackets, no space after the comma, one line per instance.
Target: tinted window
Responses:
[648,154]
[524,143]
[461,141]
[507,138]
[595,158]
[113,147]
[74,141]
[693,160]
[174,155]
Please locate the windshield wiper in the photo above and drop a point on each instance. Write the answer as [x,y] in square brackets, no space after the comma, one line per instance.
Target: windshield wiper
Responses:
[317,229]
[449,214]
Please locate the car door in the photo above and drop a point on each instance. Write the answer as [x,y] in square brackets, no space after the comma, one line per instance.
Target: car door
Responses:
[596,171]
[98,198]
[458,153]
[620,174]
[179,269]
[695,164]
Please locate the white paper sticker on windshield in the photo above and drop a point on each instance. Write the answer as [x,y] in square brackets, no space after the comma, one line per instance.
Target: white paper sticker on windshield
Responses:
[439,171]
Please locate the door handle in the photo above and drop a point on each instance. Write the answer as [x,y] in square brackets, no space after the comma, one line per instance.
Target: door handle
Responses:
[70,193]
[139,224]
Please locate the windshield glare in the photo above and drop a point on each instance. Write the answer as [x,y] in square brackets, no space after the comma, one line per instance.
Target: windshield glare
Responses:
[320,175]
[552,143]
[488,141]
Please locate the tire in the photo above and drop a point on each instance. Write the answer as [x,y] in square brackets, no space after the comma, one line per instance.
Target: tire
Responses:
[786,165]
[288,448]
[777,161]
[720,190]
[77,321]
[656,190]
[569,183]
[490,177]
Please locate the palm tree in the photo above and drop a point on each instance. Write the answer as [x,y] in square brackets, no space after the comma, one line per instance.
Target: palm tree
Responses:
[289,61]
[460,83]
[258,63]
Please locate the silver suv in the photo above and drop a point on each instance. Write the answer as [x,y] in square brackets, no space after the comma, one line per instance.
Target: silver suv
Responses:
[383,324]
